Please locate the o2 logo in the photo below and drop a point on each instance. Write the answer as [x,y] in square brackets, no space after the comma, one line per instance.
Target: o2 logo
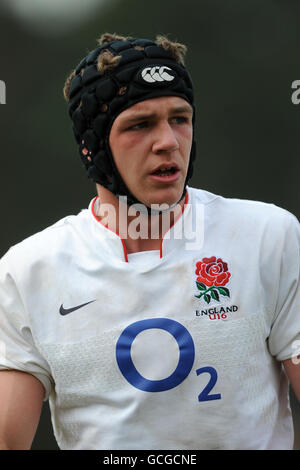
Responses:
[185,363]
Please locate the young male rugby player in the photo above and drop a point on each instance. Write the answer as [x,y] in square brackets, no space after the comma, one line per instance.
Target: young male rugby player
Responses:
[163,316]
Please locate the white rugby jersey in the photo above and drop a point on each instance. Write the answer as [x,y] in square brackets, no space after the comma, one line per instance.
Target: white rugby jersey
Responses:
[172,349]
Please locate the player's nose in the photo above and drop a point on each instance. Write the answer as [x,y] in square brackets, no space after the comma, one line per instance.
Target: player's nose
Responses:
[165,139]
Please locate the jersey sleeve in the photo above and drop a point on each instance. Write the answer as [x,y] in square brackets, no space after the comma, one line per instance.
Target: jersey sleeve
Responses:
[17,347]
[285,330]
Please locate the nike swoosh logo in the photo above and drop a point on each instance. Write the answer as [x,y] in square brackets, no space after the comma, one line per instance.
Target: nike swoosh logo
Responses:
[66,311]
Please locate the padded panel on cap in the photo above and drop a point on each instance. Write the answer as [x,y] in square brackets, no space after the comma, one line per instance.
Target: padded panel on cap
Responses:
[143,42]
[90,74]
[106,89]
[90,105]
[101,161]
[126,75]
[79,121]
[104,45]
[130,55]
[75,86]
[77,136]
[83,157]
[96,175]
[93,55]
[73,105]
[81,64]
[119,46]
[157,52]
[91,140]
[99,124]
[117,103]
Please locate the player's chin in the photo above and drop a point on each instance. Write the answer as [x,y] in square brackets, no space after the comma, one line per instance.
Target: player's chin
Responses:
[167,196]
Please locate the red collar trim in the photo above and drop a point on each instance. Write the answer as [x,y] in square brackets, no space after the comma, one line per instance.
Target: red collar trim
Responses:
[123,243]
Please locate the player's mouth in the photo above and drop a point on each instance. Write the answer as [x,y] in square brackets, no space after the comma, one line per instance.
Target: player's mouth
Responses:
[165,173]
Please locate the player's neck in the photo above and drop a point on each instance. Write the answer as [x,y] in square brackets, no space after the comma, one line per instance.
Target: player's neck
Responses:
[140,231]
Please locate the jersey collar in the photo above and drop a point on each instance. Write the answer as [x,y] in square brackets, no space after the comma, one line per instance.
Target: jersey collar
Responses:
[174,239]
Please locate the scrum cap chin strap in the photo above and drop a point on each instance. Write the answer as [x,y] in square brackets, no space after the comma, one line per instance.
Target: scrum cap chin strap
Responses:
[145,70]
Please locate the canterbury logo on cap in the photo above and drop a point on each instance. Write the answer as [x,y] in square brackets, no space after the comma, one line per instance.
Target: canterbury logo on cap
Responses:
[157,74]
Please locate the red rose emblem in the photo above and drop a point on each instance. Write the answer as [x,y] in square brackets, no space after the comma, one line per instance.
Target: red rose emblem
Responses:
[212,275]
[212,271]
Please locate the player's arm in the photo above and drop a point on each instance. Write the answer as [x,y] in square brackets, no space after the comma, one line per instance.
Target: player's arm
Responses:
[292,368]
[21,400]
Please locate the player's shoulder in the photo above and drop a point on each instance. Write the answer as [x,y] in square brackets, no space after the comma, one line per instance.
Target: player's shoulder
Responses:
[246,210]
[250,218]
[49,242]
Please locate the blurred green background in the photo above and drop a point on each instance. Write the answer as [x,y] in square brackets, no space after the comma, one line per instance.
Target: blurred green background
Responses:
[243,57]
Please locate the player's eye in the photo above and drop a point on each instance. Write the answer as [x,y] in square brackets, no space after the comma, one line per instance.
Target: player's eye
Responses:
[138,126]
[180,119]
